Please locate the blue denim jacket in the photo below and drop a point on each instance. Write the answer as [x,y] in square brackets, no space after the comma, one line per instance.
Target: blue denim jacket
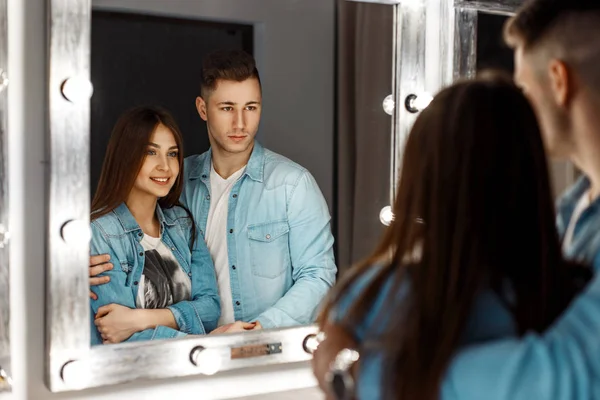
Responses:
[279,241]
[118,234]
[585,245]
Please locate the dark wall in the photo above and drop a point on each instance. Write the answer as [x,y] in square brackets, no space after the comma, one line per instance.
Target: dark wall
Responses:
[491,50]
[141,59]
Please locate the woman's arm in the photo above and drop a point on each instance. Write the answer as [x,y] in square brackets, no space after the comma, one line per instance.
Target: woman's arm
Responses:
[118,292]
[336,339]
[201,314]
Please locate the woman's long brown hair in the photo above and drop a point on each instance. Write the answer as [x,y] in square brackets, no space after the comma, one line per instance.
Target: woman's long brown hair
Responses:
[125,156]
[475,198]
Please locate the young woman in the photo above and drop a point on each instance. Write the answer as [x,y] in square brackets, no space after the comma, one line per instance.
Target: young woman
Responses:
[472,254]
[163,282]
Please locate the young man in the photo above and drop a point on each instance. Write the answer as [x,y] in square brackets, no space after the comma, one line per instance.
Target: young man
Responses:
[557,54]
[557,57]
[264,219]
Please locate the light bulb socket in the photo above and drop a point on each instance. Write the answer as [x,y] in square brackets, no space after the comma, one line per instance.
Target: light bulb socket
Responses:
[409,103]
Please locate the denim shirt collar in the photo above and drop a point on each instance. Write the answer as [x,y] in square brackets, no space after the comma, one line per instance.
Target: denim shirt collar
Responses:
[567,203]
[130,224]
[254,168]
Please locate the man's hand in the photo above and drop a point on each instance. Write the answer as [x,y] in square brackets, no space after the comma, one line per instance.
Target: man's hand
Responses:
[98,265]
[116,323]
[237,326]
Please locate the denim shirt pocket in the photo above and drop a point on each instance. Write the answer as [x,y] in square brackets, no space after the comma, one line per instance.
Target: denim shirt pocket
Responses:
[269,249]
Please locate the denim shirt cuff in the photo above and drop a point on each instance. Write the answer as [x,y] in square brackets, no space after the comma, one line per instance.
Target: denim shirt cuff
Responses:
[266,323]
[163,332]
[181,314]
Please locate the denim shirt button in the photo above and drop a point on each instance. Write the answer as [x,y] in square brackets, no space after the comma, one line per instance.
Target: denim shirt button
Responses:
[208,197]
[140,234]
[268,236]
[204,176]
[135,283]
[189,274]
[234,196]
[173,248]
[237,303]
[233,267]
[231,231]
[141,253]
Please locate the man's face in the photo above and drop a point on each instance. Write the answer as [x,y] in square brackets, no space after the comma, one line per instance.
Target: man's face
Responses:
[232,114]
[531,74]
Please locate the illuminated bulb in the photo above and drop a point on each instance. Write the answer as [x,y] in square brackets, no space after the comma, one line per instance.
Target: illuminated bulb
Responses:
[77,89]
[386,216]
[208,361]
[76,232]
[422,101]
[3,80]
[76,373]
[388,105]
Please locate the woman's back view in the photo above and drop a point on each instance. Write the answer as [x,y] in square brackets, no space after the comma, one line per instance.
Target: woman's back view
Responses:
[473,251]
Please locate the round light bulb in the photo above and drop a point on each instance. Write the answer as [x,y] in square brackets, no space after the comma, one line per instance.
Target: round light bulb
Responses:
[422,101]
[386,216]
[208,361]
[76,232]
[389,105]
[76,373]
[77,89]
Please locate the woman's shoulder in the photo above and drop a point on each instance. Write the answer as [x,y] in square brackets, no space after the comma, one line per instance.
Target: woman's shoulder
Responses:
[175,214]
[108,224]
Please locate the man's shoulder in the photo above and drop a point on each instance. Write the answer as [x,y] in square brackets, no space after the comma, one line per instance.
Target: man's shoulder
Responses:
[193,164]
[278,168]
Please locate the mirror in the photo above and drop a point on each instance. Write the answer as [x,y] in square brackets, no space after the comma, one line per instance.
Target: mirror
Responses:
[482,47]
[282,253]
[5,362]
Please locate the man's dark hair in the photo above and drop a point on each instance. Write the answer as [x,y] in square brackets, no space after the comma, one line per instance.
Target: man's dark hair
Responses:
[565,30]
[538,18]
[228,65]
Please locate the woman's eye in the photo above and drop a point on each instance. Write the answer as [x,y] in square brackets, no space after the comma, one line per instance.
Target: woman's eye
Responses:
[173,154]
[151,152]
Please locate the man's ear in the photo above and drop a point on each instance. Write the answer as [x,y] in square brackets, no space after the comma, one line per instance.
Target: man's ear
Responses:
[561,82]
[201,108]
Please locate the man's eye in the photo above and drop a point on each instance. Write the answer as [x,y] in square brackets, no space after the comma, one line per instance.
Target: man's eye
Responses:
[251,108]
[227,108]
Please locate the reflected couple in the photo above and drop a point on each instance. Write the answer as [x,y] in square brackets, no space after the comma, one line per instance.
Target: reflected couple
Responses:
[237,238]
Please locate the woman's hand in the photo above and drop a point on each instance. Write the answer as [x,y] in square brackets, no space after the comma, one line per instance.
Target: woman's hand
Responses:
[98,265]
[116,323]
[336,339]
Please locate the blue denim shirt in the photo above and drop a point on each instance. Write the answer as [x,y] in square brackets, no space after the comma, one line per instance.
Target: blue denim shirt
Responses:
[118,234]
[279,240]
[585,245]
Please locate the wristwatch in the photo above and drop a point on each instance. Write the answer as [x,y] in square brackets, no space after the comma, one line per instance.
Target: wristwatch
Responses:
[339,378]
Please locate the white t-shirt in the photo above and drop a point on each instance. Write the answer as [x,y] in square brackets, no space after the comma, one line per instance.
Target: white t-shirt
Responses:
[216,238]
[163,282]
[582,204]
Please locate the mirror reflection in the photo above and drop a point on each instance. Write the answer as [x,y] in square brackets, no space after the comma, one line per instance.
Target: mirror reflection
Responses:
[197,226]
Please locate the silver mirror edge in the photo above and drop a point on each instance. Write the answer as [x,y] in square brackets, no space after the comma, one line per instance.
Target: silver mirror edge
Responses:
[5,360]
[122,363]
[377,1]
[409,64]
[491,7]
[71,363]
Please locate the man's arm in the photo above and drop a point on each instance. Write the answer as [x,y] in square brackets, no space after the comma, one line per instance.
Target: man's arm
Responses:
[563,363]
[311,253]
